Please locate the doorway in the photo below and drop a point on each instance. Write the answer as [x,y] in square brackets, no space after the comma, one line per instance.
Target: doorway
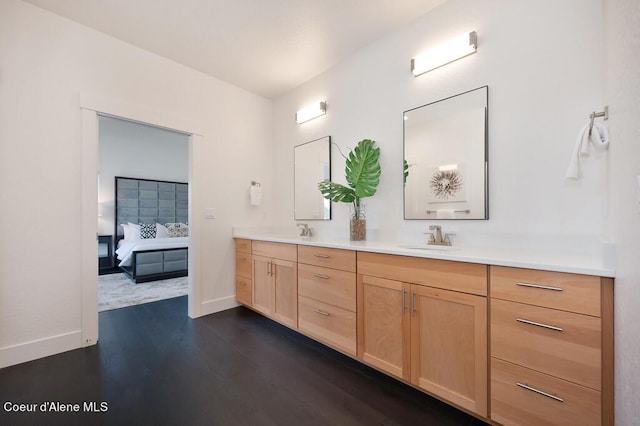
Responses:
[93,106]
[143,174]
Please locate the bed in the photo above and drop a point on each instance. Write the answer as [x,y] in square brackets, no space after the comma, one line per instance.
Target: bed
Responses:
[151,228]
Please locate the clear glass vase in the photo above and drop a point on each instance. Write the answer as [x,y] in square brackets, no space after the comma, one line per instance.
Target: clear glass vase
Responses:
[358,223]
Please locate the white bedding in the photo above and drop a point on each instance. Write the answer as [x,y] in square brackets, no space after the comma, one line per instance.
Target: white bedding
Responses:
[127,247]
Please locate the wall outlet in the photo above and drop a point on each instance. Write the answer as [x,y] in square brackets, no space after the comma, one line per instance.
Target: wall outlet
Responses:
[209,213]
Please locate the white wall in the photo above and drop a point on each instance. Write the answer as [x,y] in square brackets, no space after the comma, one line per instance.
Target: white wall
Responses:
[543,64]
[622,94]
[135,150]
[45,63]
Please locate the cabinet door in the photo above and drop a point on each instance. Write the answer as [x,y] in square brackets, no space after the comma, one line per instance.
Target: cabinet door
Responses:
[383,338]
[449,346]
[262,285]
[285,277]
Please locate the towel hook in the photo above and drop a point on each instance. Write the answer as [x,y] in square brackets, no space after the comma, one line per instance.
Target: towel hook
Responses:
[594,114]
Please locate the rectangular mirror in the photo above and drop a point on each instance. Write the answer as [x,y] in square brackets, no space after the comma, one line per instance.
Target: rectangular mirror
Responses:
[445,158]
[312,164]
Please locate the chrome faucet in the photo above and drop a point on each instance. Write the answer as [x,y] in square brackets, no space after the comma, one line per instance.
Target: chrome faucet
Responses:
[438,239]
[305,231]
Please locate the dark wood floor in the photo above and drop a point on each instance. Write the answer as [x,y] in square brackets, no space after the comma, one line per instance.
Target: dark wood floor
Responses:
[154,365]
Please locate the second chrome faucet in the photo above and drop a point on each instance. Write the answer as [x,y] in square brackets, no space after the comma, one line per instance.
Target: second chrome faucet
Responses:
[437,238]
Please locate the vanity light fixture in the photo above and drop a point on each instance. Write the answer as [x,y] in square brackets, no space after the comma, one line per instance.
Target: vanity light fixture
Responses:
[311,111]
[452,50]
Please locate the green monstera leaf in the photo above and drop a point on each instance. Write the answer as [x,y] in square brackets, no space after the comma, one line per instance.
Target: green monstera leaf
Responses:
[363,168]
[362,172]
[336,192]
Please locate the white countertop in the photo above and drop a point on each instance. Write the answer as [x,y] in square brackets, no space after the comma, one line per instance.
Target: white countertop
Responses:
[576,263]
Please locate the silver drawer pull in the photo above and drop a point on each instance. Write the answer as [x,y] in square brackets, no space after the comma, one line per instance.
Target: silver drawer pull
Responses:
[548,395]
[539,324]
[322,256]
[318,311]
[544,287]
[324,277]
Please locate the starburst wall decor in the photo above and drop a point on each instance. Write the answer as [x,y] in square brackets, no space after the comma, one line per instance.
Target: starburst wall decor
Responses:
[446,185]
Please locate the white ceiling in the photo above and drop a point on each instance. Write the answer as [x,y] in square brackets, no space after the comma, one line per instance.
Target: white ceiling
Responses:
[265,46]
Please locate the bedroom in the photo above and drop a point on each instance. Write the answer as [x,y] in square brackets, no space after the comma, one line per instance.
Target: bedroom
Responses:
[132,155]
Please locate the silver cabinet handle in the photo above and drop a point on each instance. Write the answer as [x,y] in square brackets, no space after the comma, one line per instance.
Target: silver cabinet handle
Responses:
[548,395]
[404,295]
[413,303]
[322,256]
[543,287]
[539,324]
[324,277]
[269,268]
[318,311]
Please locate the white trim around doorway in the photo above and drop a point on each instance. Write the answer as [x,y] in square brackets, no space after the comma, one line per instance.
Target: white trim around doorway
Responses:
[91,106]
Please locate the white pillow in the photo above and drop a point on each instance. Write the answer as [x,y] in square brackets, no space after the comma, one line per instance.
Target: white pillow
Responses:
[177,229]
[131,231]
[161,231]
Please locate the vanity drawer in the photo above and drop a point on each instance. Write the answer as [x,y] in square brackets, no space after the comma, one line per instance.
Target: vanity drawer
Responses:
[243,245]
[275,250]
[243,290]
[327,285]
[243,264]
[329,324]
[558,290]
[563,344]
[513,404]
[449,275]
[331,258]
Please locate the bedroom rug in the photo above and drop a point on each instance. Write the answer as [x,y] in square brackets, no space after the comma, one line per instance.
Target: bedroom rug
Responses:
[118,291]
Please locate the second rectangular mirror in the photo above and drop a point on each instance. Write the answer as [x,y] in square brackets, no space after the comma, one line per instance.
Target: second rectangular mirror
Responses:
[445,158]
[312,164]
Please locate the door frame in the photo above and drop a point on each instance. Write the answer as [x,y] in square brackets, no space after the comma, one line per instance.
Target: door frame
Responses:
[91,106]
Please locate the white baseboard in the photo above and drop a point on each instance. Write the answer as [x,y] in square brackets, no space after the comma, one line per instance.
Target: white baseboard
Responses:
[218,305]
[23,352]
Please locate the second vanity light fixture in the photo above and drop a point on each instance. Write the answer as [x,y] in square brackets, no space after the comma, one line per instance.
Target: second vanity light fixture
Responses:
[452,50]
[311,111]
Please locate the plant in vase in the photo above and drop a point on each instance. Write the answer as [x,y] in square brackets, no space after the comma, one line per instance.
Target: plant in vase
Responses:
[362,171]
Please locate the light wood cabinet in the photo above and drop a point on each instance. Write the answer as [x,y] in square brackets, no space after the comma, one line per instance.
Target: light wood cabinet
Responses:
[243,272]
[551,348]
[275,281]
[384,325]
[521,396]
[449,346]
[327,296]
[328,324]
[434,338]
[545,357]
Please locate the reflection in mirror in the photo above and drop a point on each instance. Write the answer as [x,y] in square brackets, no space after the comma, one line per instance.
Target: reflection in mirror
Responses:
[312,164]
[445,154]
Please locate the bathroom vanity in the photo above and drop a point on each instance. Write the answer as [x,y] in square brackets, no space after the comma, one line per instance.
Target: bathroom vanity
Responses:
[511,337]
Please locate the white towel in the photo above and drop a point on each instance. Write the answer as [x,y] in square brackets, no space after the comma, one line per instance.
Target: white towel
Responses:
[445,214]
[255,195]
[599,138]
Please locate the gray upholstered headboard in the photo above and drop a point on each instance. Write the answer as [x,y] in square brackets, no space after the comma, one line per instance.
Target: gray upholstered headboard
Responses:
[150,201]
